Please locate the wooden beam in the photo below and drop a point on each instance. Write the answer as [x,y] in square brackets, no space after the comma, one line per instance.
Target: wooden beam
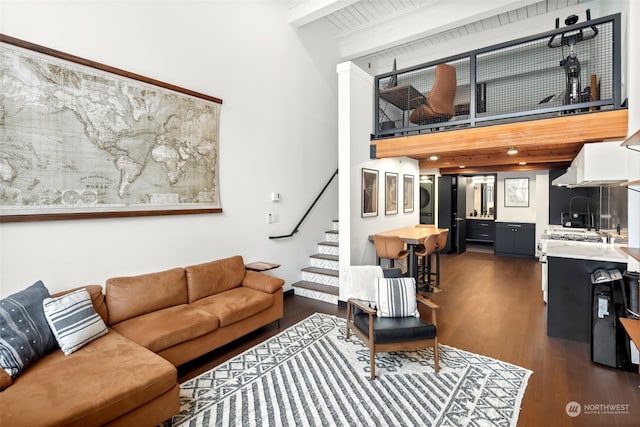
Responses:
[303,13]
[556,131]
[503,168]
[493,158]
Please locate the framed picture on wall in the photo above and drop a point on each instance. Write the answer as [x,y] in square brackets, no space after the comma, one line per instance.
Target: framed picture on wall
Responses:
[391,193]
[407,194]
[516,192]
[94,141]
[369,192]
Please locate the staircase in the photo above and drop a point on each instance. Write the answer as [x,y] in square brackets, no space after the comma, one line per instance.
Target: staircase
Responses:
[320,280]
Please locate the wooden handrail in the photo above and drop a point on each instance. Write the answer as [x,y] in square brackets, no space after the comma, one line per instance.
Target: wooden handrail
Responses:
[297,227]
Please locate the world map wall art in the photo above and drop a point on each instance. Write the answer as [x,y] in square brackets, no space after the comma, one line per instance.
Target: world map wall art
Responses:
[79,139]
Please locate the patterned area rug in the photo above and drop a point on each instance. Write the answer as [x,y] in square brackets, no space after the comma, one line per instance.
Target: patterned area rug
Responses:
[310,374]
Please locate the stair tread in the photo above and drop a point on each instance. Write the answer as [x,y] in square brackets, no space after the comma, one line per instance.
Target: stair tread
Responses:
[328,257]
[319,287]
[318,270]
[329,244]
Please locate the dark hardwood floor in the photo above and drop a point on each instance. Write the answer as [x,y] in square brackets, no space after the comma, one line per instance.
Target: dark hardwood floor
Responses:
[493,306]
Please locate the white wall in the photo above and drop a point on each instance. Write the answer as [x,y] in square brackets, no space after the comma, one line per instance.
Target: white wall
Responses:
[538,210]
[516,214]
[355,93]
[278,133]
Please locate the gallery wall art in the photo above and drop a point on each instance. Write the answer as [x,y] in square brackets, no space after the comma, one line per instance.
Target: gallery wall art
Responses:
[516,192]
[369,192]
[391,193]
[408,193]
[80,139]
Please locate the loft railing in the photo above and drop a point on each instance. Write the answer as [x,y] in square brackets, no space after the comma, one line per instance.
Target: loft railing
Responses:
[297,227]
[569,70]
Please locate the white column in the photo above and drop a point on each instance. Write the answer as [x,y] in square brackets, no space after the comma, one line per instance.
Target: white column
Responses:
[633,70]
[355,125]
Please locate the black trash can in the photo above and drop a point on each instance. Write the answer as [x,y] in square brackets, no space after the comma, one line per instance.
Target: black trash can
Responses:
[609,341]
[631,293]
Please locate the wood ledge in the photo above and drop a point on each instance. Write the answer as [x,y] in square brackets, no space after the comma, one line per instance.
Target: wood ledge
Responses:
[542,144]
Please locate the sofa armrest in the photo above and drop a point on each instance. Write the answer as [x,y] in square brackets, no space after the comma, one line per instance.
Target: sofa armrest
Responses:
[5,379]
[262,282]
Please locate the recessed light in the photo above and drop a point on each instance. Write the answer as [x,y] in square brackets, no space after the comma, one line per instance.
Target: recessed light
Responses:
[512,151]
[434,157]
[522,163]
[462,166]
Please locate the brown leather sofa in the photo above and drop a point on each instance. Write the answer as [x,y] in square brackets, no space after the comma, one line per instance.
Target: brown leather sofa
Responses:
[156,322]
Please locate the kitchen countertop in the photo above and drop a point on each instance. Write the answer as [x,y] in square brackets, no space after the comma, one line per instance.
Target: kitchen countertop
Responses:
[633,252]
[586,250]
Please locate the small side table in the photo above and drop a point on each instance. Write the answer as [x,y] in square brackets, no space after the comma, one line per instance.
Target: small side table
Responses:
[261,266]
[405,97]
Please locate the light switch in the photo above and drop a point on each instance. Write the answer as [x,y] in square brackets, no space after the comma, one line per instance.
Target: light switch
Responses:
[273,217]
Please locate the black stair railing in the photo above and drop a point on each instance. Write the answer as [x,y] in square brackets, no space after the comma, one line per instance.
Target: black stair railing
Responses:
[297,227]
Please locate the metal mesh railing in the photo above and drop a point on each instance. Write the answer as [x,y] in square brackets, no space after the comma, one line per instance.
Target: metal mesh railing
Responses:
[570,70]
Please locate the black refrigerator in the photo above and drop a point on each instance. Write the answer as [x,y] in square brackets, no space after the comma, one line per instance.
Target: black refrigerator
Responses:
[452,201]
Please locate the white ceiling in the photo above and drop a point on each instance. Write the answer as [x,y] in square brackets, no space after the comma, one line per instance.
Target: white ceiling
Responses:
[374,32]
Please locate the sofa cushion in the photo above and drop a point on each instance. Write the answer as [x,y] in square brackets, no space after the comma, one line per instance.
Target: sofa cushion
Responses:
[92,386]
[24,332]
[235,305]
[165,328]
[73,320]
[129,297]
[214,277]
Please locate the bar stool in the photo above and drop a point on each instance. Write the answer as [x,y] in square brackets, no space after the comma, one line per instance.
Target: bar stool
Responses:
[389,247]
[424,251]
[440,245]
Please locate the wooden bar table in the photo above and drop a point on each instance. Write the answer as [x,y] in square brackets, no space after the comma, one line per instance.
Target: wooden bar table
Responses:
[632,327]
[412,236]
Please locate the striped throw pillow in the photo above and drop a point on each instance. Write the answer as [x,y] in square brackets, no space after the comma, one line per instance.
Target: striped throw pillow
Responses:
[73,320]
[397,297]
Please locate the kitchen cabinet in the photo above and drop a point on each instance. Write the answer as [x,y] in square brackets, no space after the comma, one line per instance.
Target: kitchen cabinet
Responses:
[480,230]
[515,239]
[570,289]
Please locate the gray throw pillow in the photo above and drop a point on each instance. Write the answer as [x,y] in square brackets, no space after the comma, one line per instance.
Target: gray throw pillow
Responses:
[24,332]
[397,297]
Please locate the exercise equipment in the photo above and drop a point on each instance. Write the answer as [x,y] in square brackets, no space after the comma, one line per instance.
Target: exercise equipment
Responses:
[574,93]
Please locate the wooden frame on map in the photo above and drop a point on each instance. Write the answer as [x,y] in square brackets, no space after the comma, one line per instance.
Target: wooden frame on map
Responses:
[151,147]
